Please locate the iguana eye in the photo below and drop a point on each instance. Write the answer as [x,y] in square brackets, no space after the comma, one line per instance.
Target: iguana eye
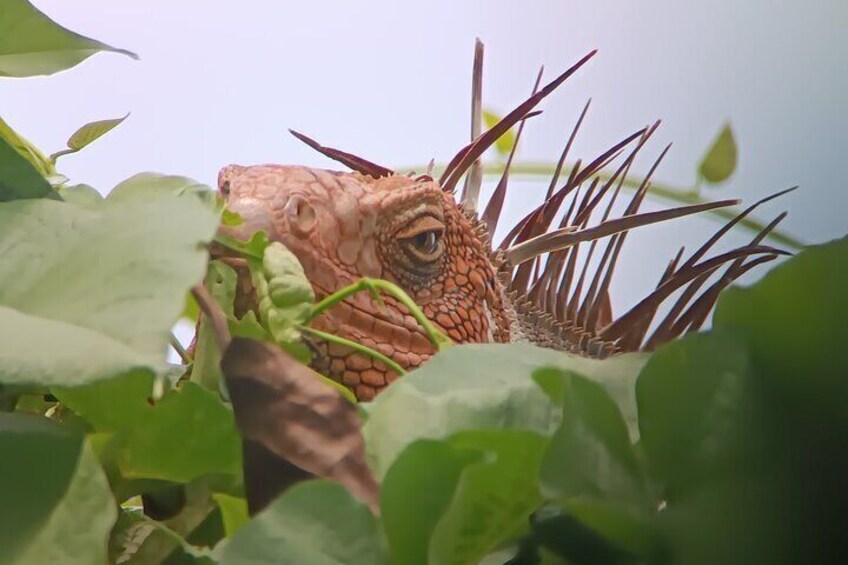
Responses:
[427,242]
[422,239]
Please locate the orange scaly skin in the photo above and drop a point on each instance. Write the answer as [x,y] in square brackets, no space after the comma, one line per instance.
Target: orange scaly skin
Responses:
[345,226]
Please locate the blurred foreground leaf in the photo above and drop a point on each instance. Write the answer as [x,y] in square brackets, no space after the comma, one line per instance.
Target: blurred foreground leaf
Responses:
[316,522]
[32,44]
[486,386]
[745,427]
[88,293]
[590,453]
[694,402]
[187,434]
[795,321]
[55,503]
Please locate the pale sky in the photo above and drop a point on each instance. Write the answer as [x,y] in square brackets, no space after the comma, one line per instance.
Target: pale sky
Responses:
[221,82]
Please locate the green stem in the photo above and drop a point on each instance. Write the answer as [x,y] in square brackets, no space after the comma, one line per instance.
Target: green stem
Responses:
[439,340]
[355,346]
[532,170]
[58,154]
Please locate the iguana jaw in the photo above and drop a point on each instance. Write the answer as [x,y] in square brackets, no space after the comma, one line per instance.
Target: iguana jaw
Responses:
[345,226]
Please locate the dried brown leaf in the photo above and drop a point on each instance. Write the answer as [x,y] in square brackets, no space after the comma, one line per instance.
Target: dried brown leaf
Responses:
[283,406]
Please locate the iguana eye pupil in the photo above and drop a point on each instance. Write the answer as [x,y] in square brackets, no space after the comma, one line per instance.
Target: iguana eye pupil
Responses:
[427,242]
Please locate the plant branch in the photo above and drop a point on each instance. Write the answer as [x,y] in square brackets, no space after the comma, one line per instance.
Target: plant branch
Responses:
[210,307]
[178,347]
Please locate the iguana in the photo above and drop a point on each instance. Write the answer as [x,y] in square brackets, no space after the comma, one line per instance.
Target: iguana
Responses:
[542,285]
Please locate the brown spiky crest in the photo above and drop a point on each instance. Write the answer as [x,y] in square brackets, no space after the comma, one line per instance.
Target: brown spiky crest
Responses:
[556,296]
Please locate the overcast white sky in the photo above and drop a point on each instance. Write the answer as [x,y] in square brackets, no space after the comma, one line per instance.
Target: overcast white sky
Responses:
[220,82]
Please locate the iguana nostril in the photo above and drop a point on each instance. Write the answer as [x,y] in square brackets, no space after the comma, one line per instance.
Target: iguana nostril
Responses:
[301,214]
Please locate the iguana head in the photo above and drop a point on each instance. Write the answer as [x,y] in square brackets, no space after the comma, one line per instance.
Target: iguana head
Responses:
[345,226]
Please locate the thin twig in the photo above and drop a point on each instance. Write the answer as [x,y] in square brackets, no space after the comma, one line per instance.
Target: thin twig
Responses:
[178,347]
[212,310]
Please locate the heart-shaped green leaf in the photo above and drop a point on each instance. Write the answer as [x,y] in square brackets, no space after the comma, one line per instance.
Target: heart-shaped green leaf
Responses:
[87,134]
[89,293]
[720,161]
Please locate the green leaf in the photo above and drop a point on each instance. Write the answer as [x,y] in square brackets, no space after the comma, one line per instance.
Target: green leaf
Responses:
[482,386]
[55,503]
[206,370]
[590,454]
[233,511]
[87,294]
[454,501]
[794,321]
[87,134]
[207,441]
[592,473]
[504,143]
[254,248]
[749,520]
[575,533]
[111,405]
[185,435]
[221,280]
[747,423]
[494,497]
[32,44]
[81,195]
[139,540]
[230,218]
[316,522]
[285,299]
[693,398]
[416,492]
[18,178]
[720,161]
[146,186]
[27,150]
[191,310]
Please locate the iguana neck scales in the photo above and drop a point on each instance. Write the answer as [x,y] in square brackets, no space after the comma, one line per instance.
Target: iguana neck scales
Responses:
[534,287]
